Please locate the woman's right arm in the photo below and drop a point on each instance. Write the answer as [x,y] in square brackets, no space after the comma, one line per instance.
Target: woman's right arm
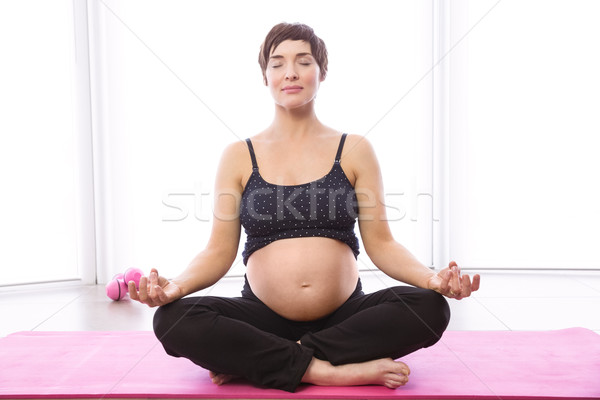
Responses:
[212,263]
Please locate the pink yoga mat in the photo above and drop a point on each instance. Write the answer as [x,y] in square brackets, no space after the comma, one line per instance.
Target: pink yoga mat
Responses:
[475,365]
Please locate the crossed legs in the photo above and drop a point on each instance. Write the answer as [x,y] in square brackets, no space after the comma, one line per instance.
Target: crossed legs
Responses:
[355,345]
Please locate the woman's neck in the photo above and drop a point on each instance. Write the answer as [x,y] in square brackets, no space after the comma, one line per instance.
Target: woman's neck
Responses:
[289,124]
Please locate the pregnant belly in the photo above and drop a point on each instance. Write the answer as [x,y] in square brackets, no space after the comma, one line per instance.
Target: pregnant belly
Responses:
[303,279]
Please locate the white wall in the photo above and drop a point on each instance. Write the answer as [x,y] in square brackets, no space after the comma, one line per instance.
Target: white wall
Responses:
[488,157]
[175,82]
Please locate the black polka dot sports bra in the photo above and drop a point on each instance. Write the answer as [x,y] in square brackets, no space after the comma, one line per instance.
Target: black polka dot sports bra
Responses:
[326,207]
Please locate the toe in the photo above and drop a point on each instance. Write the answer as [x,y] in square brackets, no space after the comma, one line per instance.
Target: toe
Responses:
[401,368]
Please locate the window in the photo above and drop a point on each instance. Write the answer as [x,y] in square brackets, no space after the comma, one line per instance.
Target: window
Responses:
[45,206]
[524,135]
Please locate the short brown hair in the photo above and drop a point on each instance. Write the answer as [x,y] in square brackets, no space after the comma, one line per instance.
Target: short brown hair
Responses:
[294,31]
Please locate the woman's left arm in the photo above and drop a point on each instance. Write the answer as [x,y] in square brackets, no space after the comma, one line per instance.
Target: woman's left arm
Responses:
[386,253]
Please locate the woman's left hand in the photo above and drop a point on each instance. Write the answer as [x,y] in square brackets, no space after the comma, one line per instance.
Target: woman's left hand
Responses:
[450,283]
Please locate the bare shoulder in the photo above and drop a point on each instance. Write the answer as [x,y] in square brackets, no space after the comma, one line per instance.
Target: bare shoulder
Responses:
[358,157]
[235,164]
[235,150]
[357,146]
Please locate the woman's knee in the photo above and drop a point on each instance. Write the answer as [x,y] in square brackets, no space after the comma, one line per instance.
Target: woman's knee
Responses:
[428,306]
[183,320]
[436,311]
[166,318]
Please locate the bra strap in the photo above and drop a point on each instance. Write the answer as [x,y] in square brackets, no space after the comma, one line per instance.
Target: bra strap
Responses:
[252,155]
[341,146]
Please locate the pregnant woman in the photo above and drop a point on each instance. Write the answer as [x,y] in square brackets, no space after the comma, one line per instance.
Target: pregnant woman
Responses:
[298,188]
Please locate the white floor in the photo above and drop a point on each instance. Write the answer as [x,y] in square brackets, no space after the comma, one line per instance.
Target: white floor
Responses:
[506,301]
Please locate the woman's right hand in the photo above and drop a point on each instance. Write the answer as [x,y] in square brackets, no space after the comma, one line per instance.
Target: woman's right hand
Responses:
[155,290]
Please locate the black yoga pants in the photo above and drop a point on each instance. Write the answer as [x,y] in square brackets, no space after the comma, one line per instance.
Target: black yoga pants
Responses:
[241,336]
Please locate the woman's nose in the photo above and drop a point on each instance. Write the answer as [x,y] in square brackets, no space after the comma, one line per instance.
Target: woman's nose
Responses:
[291,74]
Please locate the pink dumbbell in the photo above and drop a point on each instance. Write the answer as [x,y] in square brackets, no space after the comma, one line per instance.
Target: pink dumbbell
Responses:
[117,289]
[133,274]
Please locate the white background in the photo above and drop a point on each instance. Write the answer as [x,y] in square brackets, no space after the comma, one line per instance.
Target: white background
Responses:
[175,92]
[488,158]
[525,135]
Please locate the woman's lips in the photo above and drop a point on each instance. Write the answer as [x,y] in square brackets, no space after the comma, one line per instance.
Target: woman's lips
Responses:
[292,89]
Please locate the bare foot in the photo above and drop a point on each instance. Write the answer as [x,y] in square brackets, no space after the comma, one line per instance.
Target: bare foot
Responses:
[384,371]
[220,379]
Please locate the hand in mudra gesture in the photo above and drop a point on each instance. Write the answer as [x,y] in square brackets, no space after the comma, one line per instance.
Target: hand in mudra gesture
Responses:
[450,283]
[155,290]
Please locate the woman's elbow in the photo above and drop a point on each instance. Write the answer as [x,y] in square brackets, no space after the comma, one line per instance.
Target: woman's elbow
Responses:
[377,249]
